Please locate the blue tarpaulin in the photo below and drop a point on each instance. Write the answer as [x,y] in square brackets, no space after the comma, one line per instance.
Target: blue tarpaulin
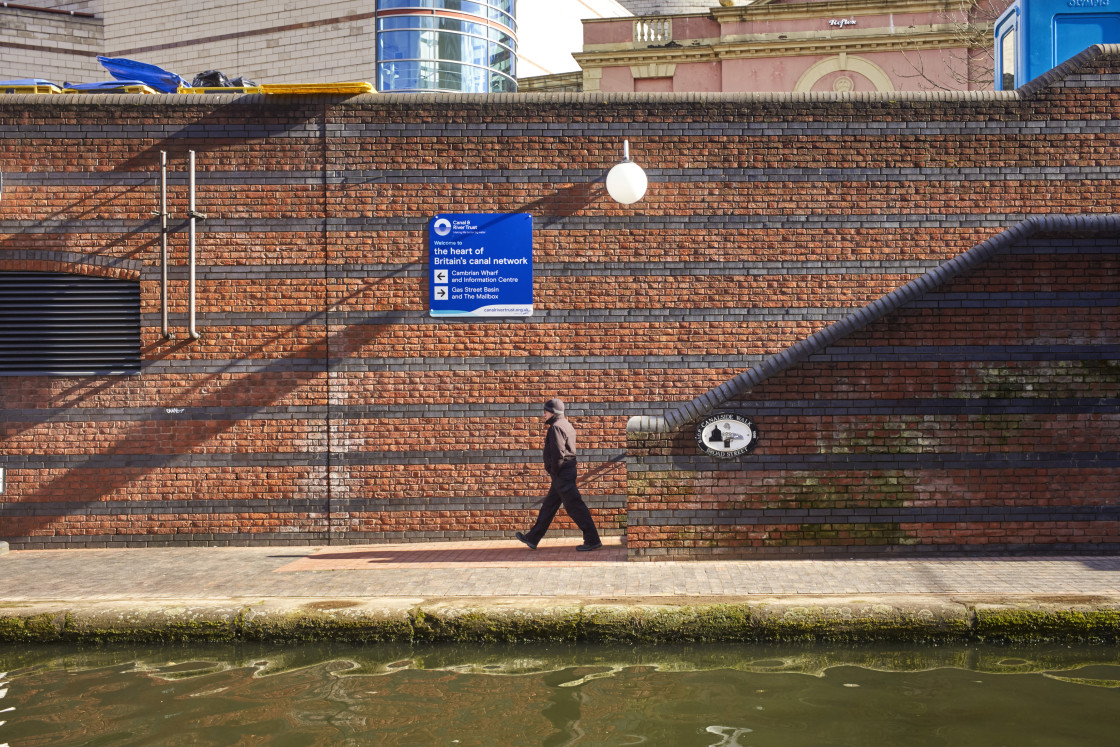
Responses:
[132,71]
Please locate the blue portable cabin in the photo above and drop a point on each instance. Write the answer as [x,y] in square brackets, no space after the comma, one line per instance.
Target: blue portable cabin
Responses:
[1033,36]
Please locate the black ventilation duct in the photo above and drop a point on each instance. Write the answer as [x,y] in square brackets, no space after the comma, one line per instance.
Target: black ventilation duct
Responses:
[56,324]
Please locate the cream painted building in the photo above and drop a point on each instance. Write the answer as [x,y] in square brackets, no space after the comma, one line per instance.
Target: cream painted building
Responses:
[266,40]
[270,41]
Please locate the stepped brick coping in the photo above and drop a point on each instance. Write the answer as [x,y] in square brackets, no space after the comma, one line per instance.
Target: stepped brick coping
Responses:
[711,400]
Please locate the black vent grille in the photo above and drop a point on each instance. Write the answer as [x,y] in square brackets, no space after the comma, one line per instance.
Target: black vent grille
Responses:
[55,324]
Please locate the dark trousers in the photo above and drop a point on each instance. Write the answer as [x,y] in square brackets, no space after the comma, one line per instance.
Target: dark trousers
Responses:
[564,491]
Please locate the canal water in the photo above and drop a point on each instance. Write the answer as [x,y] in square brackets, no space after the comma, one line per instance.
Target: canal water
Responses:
[750,696]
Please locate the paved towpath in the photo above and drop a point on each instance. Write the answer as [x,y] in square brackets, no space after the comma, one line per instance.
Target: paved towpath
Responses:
[508,569]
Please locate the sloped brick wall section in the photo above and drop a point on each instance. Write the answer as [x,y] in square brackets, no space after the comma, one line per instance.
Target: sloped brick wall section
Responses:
[322,403]
[975,410]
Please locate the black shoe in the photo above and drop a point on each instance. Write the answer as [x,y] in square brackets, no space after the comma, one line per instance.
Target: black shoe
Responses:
[588,548]
[524,539]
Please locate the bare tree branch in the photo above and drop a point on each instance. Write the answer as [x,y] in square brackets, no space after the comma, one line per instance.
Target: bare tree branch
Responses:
[967,65]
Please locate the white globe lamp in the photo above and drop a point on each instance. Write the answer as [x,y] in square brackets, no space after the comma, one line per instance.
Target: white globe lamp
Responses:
[627,182]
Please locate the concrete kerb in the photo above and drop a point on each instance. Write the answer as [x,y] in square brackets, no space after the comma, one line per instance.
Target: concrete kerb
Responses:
[910,619]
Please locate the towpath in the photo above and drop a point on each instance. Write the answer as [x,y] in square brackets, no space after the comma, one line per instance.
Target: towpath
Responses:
[397,580]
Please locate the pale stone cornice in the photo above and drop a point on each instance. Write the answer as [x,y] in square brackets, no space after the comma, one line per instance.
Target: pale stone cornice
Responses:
[875,40]
[556,81]
[654,55]
[956,30]
[835,8]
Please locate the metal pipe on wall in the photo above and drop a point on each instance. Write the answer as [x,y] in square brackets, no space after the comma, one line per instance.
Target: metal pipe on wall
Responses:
[163,241]
[192,214]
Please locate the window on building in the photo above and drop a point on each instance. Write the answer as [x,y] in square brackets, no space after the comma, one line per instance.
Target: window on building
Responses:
[446,45]
[1007,45]
[57,324]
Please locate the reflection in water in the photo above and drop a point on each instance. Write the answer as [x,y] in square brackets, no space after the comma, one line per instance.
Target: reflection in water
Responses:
[563,709]
[730,735]
[730,696]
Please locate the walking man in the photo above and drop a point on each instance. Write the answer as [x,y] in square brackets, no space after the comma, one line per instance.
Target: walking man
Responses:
[560,463]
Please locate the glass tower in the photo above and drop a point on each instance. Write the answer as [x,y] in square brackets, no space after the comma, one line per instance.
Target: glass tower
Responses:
[464,46]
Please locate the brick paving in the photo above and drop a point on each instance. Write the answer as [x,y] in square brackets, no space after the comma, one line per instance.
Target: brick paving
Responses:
[508,569]
[474,554]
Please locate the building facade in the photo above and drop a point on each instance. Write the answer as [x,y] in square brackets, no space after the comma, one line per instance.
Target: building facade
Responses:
[319,42]
[790,45]
[257,39]
[808,261]
[56,44]
[446,45]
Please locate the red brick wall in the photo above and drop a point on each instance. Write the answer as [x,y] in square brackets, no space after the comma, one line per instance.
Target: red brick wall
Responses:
[983,417]
[322,403]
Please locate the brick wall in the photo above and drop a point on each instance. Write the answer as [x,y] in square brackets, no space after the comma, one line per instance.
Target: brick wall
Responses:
[322,403]
[982,415]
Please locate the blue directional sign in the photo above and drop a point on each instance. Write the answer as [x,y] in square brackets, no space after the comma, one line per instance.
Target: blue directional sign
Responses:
[481,264]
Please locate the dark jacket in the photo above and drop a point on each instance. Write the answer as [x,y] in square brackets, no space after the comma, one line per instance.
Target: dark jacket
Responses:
[559,444]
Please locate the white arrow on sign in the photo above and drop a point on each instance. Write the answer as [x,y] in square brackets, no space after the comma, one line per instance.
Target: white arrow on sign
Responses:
[441,276]
[441,293]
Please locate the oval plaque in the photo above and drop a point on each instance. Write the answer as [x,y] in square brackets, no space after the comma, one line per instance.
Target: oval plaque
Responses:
[726,435]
